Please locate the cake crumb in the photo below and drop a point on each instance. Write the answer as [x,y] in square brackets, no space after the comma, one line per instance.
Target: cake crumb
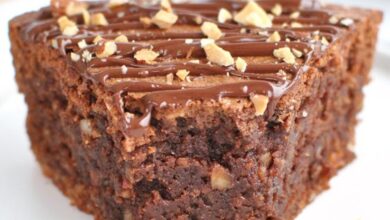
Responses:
[221,179]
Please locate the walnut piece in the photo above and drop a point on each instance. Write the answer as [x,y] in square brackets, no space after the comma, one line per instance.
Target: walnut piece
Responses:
[211,30]
[275,37]
[277,10]
[164,19]
[109,48]
[285,54]
[67,27]
[241,64]
[224,15]
[260,102]
[217,55]
[253,15]
[99,19]
[146,55]
[182,74]
[221,179]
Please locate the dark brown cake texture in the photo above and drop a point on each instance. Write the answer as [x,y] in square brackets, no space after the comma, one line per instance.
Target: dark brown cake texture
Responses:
[208,110]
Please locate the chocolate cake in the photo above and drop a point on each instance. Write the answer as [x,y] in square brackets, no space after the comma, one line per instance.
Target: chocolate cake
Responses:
[215,109]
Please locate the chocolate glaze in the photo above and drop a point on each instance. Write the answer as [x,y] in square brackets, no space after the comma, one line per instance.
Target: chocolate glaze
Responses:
[261,78]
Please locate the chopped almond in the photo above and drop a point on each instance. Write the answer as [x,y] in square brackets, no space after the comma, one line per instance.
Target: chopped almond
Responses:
[146,21]
[260,102]
[109,48]
[241,64]
[115,3]
[347,22]
[86,17]
[324,41]
[275,37]
[170,79]
[253,15]
[224,15]
[121,39]
[297,53]
[97,39]
[296,25]
[146,55]
[333,20]
[217,55]
[285,54]
[166,5]
[67,27]
[99,19]
[75,57]
[211,30]
[295,15]
[164,19]
[198,20]
[277,10]
[82,44]
[182,74]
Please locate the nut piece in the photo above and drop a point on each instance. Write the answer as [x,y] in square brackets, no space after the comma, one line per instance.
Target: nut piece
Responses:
[170,79]
[121,39]
[253,15]
[109,48]
[241,64]
[324,41]
[297,53]
[115,3]
[75,57]
[211,30]
[217,55]
[166,5]
[277,10]
[146,21]
[275,37]
[97,39]
[260,102]
[295,15]
[220,178]
[146,55]
[296,25]
[347,22]
[67,27]
[82,44]
[285,54]
[99,19]
[182,74]
[333,20]
[86,17]
[224,15]
[164,19]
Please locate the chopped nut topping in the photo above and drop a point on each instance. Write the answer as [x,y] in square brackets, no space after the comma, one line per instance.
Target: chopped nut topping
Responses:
[260,102]
[297,53]
[67,27]
[146,21]
[253,15]
[241,64]
[211,30]
[99,19]
[124,69]
[146,55]
[82,44]
[164,19]
[170,79]
[285,54]
[75,57]
[224,15]
[189,41]
[87,56]
[347,22]
[324,41]
[296,25]
[109,48]
[198,20]
[115,3]
[221,179]
[97,39]
[333,20]
[295,15]
[166,5]
[182,74]
[275,37]
[121,39]
[277,10]
[205,42]
[217,55]
[74,8]
[54,43]
[86,17]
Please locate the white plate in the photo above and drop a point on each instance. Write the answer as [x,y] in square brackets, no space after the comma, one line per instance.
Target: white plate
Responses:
[361,191]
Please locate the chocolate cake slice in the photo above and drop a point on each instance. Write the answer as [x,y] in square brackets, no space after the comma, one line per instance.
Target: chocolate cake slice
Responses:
[198,110]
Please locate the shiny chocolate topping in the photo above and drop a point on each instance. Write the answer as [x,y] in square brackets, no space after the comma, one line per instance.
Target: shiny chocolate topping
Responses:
[304,27]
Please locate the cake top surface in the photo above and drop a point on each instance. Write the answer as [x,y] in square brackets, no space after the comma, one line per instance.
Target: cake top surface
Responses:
[167,54]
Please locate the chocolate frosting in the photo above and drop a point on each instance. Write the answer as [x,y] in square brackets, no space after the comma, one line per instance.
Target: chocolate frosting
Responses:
[260,78]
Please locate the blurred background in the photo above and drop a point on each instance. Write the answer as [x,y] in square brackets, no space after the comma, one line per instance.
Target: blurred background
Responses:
[360,192]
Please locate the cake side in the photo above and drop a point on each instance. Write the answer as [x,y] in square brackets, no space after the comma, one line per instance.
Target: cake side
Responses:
[268,165]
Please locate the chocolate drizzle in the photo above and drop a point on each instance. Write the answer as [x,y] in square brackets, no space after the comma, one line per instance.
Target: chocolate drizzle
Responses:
[176,53]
